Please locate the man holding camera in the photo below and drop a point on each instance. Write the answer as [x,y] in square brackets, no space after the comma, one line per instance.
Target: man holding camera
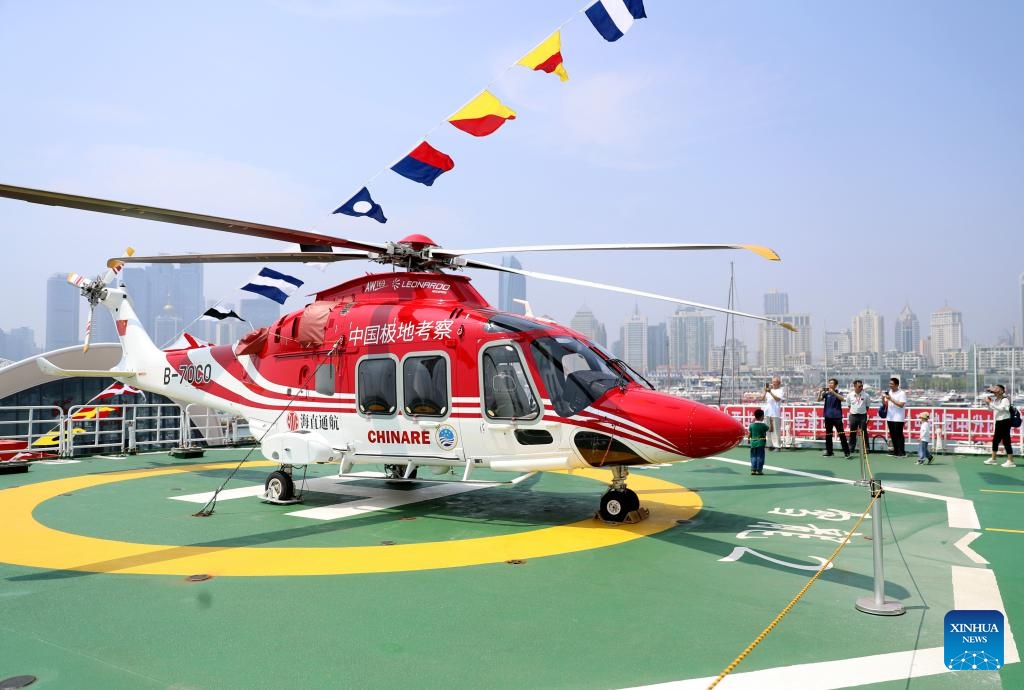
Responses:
[833,414]
[774,395]
[896,417]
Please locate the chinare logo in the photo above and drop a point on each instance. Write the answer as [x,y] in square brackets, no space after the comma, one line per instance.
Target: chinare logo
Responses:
[446,436]
[973,640]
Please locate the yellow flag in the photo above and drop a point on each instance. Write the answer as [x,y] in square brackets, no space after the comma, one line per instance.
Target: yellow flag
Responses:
[547,57]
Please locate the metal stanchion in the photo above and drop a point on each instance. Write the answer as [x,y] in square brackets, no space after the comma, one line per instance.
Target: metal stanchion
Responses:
[863,481]
[877,604]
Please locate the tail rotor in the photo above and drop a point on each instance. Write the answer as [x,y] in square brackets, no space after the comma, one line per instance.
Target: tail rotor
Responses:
[94,290]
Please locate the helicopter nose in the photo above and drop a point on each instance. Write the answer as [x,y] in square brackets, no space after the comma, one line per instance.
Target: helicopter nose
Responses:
[693,429]
[707,431]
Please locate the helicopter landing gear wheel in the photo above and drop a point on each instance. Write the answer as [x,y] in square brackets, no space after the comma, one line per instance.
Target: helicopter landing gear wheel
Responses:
[398,472]
[279,487]
[617,504]
[620,504]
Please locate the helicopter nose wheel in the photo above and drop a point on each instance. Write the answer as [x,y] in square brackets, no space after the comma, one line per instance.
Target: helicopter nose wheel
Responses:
[621,504]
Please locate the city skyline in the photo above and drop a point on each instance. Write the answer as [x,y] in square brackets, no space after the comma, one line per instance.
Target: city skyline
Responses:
[706,123]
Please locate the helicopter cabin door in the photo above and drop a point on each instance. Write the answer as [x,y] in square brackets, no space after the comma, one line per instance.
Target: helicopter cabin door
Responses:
[404,407]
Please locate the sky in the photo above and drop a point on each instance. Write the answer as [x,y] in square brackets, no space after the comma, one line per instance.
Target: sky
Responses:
[877,147]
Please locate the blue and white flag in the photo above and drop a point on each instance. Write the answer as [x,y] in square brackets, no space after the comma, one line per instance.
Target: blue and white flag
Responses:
[612,18]
[362,204]
[273,285]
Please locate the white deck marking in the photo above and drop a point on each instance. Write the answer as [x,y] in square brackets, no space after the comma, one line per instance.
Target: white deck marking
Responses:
[976,589]
[973,589]
[376,498]
[960,512]
[964,544]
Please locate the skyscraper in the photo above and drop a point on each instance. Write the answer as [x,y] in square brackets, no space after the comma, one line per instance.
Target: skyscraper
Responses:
[947,332]
[868,332]
[586,323]
[155,286]
[657,346]
[62,305]
[259,312]
[776,302]
[908,331]
[634,341]
[837,343]
[691,336]
[511,287]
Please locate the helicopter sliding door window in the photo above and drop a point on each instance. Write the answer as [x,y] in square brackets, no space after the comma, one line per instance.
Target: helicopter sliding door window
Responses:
[506,385]
[377,392]
[425,385]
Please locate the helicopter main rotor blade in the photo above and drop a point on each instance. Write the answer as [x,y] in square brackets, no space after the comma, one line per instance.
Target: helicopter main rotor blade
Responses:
[764,252]
[626,291]
[198,220]
[252,257]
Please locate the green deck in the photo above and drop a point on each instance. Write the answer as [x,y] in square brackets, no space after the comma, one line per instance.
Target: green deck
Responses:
[656,609]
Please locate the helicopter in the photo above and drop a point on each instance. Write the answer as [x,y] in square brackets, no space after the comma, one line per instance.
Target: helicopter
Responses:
[412,368]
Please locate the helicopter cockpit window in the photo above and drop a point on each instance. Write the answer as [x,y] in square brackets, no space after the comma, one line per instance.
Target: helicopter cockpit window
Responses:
[425,385]
[506,386]
[377,392]
[575,376]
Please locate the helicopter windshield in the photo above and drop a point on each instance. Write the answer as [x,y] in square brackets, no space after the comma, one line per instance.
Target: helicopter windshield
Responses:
[575,376]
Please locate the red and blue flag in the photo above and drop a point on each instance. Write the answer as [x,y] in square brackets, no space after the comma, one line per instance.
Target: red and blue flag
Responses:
[424,164]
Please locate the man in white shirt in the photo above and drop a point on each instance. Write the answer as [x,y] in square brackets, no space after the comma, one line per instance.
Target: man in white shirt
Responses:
[859,401]
[774,396]
[896,401]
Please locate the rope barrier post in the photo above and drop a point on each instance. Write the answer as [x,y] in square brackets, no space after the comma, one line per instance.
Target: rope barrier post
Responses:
[877,604]
[863,481]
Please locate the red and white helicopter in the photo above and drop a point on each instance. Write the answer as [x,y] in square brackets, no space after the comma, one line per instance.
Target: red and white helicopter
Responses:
[413,368]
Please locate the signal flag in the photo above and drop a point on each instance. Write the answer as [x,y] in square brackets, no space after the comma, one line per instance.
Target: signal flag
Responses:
[424,164]
[482,116]
[547,57]
[362,204]
[612,18]
[273,285]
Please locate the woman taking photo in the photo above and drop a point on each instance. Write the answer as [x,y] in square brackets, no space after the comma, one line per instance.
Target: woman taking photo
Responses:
[1000,406]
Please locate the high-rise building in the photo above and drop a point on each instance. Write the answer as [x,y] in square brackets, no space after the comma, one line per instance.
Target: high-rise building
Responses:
[781,348]
[62,307]
[586,323]
[167,327]
[868,332]
[18,344]
[946,332]
[776,302]
[735,354]
[511,287]
[837,343]
[634,341]
[1020,331]
[908,331]
[259,311]
[153,287]
[691,336]
[657,346]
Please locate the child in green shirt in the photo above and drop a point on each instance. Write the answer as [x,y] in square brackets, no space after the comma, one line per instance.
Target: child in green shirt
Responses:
[758,435]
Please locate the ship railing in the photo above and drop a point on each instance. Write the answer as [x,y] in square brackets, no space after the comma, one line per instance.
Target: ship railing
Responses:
[954,429]
[31,429]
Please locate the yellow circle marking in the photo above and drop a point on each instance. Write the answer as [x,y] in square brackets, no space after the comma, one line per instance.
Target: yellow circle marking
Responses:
[25,541]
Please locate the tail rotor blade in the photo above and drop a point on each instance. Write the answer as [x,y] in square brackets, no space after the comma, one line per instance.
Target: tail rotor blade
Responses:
[88,328]
[79,281]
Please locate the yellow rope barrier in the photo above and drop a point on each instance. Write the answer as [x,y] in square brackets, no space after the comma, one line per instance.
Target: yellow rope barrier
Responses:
[782,614]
